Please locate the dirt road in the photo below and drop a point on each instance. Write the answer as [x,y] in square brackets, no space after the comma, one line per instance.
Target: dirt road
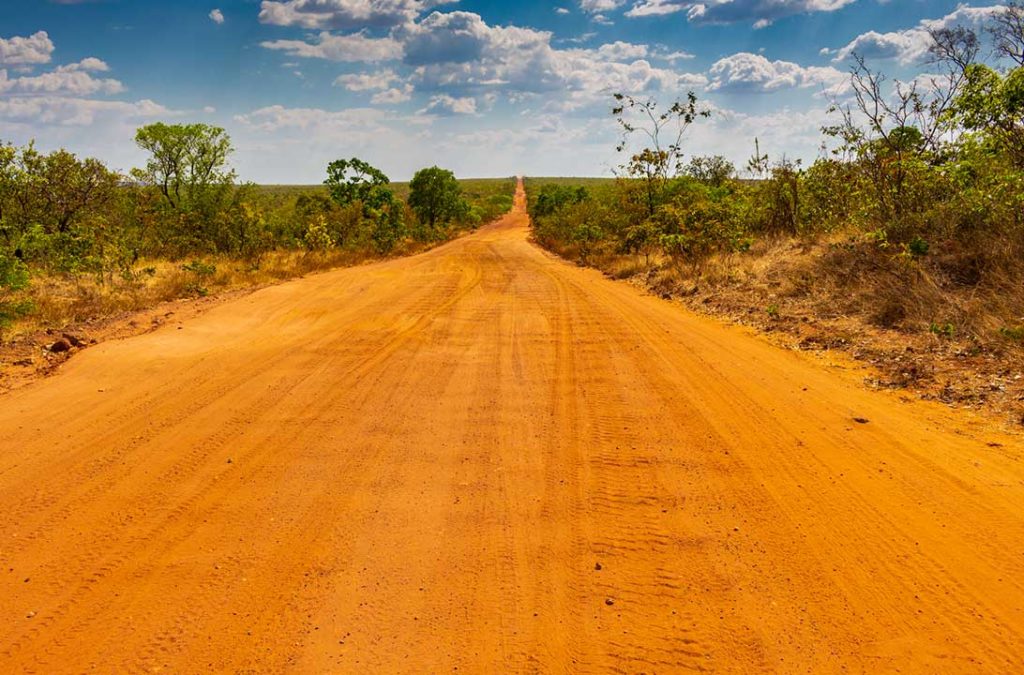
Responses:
[487,460]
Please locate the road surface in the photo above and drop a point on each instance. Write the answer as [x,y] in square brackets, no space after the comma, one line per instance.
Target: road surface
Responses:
[485,459]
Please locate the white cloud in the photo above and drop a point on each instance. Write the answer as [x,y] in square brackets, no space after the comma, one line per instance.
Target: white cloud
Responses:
[393,95]
[561,10]
[910,45]
[72,79]
[73,111]
[352,48]
[25,51]
[448,105]
[344,14]
[380,82]
[622,51]
[599,6]
[333,123]
[672,57]
[758,12]
[746,72]
[367,81]
[217,16]
[458,53]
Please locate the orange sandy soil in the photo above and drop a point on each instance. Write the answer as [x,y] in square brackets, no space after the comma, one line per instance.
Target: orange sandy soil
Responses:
[485,459]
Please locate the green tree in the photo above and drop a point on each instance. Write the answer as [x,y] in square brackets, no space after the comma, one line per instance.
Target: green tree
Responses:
[713,170]
[993,105]
[353,180]
[59,190]
[435,196]
[13,278]
[188,163]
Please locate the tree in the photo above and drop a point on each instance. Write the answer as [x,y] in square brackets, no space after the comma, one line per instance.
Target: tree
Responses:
[13,278]
[59,189]
[895,130]
[713,170]
[1007,30]
[188,163]
[435,196]
[663,158]
[353,180]
[993,105]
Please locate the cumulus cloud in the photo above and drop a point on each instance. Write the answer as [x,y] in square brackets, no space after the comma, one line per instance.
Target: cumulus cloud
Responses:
[217,16]
[599,6]
[278,118]
[760,13]
[26,51]
[459,55]
[910,45]
[393,95]
[74,79]
[73,111]
[459,52]
[747,72]
[352,48]
[380,82]
[367,81]
[344,14]
[622,51]
[446,105]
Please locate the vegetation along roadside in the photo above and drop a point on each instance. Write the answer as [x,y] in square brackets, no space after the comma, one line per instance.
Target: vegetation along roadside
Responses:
[83,248]
[902,243]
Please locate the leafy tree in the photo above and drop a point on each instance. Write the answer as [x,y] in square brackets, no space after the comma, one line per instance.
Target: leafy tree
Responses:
[8,158]
[713,170]
[13,278]
[553,197]
[435,196]
[993,105]
[318,238]
[353,180]
[188,163]
[59,189]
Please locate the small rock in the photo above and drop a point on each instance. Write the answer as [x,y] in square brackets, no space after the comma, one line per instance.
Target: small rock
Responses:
[24,362]
[30,615]
[230,461]
[860,420]
[60,346]
[609,602]
[74,340]
[597,566]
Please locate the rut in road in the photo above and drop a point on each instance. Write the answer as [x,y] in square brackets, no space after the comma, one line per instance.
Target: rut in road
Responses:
[487,459]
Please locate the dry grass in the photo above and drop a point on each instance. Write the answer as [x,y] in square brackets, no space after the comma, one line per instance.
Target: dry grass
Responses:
[922,324]
[59,302]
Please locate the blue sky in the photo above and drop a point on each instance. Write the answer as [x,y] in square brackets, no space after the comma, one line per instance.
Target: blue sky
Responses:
[484,87]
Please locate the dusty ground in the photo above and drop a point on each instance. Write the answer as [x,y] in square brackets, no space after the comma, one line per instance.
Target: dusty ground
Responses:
[28,357]
[984,377]
[485,459]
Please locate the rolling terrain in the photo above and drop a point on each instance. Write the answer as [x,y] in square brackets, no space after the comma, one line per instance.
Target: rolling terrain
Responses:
[485,459]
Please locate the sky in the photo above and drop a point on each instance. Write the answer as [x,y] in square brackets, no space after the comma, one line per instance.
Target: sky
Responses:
[481,87]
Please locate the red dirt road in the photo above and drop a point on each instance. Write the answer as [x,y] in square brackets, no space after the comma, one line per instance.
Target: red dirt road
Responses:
[485,459]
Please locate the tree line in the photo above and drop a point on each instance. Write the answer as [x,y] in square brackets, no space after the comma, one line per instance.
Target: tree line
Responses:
[72,218]
[925,177]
